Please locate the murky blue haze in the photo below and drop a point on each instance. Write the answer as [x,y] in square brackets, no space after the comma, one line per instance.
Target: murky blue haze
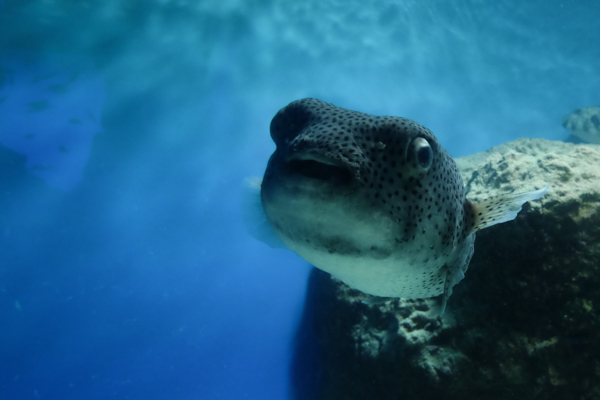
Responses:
[127,127]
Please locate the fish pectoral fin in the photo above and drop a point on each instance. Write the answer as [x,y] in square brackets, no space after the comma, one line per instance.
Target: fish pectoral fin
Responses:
[499,209]
[453,276]
[254,216]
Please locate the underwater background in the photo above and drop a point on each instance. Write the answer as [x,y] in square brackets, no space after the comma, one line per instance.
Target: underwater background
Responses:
[127,128]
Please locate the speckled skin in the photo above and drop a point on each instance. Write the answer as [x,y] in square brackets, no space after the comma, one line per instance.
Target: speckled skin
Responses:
[346,192]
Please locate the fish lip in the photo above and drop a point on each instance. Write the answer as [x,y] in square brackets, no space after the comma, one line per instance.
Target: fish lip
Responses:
[316,166]
[312,156]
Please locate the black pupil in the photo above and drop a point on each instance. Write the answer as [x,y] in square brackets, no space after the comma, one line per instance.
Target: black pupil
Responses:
[424,156]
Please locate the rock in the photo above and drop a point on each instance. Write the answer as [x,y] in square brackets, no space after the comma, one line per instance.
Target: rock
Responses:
[524,322]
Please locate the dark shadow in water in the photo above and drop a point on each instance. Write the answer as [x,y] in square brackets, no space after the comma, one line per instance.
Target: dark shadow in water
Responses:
[306,366]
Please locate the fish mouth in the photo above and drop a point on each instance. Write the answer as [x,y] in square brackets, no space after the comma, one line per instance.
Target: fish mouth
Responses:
[319,167]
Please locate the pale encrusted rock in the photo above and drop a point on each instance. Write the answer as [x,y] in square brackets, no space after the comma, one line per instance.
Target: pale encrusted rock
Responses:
[524,322]
[572,171]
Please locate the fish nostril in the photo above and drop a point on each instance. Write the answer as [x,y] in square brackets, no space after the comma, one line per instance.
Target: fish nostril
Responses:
[318,170]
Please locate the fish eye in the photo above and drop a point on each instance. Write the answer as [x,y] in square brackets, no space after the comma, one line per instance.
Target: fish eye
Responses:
[423,153]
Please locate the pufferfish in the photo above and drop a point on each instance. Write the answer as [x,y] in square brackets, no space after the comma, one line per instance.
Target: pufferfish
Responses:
[584,123]
[375,201]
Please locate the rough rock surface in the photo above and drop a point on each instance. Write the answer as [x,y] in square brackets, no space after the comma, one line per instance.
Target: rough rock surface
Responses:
[524,322]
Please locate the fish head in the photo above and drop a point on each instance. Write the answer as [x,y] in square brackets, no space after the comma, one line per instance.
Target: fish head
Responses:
[342,181]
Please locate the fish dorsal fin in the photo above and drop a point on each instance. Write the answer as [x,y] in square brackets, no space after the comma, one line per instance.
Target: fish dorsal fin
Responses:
[499,209]
[254,215]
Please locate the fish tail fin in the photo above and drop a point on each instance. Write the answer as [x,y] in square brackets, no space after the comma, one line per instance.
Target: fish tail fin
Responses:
[499,209]
[254,216]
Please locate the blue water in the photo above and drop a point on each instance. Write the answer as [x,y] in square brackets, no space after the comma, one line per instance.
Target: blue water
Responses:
[126,129]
